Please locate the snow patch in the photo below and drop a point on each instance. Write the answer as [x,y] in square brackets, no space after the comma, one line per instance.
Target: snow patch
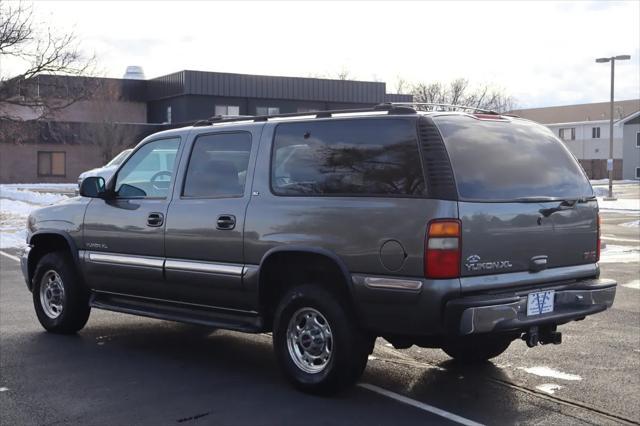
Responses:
[621,204]
[550,372]
[633,224]
[549,388]
[635,284]
[620,254]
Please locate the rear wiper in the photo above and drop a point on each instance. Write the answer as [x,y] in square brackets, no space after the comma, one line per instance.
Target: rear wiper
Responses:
[564,205]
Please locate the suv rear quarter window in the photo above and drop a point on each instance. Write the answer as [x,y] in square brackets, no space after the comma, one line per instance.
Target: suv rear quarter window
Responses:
[365,157]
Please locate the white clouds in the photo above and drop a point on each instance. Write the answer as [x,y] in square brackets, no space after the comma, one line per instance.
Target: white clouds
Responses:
[541,52]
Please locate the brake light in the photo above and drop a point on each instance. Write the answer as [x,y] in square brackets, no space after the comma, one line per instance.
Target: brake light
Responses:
[599,242]
[443,245]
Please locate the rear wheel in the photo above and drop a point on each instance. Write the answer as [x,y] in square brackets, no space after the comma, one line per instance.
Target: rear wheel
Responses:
[317,342]
[476,348]
[60,301]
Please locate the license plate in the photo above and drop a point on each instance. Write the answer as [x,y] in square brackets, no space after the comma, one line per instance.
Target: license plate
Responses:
[540,302]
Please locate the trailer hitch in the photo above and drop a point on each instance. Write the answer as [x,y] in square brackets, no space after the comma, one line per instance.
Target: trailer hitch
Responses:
[543,336]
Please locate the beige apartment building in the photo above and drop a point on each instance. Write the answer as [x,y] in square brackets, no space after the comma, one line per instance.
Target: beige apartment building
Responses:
[585,130]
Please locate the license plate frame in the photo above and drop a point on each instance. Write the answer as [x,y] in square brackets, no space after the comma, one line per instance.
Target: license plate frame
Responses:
[540,302]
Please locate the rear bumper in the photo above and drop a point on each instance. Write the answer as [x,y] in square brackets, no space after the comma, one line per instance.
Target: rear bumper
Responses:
[500,312]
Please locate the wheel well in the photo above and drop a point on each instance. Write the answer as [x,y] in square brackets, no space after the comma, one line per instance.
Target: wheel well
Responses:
[42,244]
[284,270]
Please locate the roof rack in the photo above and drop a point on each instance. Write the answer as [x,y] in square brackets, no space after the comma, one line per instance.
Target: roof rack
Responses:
[428,106]
[388,107]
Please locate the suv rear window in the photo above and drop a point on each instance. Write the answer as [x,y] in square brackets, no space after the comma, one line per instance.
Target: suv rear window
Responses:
[510,160]
[347,157]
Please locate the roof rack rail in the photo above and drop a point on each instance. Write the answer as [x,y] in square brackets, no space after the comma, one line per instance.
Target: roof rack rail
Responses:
[388,107]
[429,106]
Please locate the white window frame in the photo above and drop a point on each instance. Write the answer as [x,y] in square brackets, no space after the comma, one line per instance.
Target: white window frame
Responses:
[637,172]
[227,110]
[595,133]
[169,118]
[572,133]
[638,139]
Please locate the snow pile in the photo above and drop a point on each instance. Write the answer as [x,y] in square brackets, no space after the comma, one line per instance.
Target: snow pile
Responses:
[621,204]
[41,198]
[620,254]
[17,202]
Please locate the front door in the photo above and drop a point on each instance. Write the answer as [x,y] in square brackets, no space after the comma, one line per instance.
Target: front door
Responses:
[205,221]
[124,236]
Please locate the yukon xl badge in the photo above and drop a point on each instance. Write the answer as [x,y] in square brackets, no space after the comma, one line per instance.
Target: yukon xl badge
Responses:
[473,264]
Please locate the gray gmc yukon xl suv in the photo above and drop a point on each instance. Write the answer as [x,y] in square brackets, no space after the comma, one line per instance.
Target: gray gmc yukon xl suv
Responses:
[451,228]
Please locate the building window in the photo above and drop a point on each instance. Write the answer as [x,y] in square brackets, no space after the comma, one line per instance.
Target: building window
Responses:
[637,172]
[595,133]
[52,163]
[567,134]
[267,110]
[637,139]
[169,114]
[227,110]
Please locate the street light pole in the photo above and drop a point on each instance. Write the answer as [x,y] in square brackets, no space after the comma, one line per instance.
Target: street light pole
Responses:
[610,159]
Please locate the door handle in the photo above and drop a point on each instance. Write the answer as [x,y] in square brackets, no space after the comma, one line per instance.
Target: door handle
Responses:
[226,222]
[155,219]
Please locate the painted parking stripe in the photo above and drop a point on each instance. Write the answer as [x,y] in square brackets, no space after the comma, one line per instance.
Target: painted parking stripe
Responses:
[10,256]
[420,405]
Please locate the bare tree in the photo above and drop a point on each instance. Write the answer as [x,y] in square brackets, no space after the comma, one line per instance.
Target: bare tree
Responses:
[461,92]
[41,57]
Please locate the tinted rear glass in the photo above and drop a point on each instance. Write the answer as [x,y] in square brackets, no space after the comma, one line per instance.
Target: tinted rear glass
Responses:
[510,160]
[347,157]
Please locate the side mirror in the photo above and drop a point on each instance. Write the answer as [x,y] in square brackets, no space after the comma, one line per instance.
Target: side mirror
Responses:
[93,187]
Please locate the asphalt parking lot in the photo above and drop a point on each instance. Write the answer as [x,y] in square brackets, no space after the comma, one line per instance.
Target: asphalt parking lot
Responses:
[125,370]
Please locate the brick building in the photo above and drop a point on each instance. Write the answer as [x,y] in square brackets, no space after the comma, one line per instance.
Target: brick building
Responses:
[112,114]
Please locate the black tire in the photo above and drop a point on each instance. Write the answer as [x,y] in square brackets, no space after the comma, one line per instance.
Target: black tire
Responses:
[75,308]
[476,348]
[350,346]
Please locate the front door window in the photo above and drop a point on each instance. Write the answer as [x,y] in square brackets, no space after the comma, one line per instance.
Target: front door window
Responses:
[149,171]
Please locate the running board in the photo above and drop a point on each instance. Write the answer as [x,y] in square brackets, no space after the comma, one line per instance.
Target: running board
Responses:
[250,322]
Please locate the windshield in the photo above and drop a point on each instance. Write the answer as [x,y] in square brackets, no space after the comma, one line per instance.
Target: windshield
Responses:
[510,161]
[118,159]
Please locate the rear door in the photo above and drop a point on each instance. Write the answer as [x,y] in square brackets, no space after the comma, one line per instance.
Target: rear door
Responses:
[205,222]
[524,201]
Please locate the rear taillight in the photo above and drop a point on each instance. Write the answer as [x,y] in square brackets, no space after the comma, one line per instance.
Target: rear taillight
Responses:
[599,242]
[442,254]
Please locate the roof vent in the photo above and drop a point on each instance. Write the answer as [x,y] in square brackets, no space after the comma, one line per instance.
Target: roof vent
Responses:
[134,72]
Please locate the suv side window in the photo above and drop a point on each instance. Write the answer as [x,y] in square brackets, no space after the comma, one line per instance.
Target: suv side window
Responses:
[149,171]
[218,166]
[347,157]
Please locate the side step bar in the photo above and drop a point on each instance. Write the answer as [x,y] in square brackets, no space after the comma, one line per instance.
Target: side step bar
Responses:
[250,322]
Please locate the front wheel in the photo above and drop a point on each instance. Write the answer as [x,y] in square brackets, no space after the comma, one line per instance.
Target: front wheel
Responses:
[476,348]
[59,298]
[317,342]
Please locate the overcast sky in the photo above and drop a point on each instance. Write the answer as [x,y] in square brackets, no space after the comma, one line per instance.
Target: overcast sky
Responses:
[540,52]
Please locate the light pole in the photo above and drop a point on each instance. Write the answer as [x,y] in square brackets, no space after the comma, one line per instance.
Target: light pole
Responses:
[613,60]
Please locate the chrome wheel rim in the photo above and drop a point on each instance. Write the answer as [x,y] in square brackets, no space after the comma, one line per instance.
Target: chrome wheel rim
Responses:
[309,340]
[52,294]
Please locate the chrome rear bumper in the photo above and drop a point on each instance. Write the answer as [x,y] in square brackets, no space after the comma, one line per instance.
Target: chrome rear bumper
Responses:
[499,313]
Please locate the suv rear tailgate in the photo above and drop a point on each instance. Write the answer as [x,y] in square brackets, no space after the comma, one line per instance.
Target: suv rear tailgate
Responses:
[524,202]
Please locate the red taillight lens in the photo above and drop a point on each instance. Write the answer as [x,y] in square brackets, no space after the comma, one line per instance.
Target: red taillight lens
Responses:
[599,242]
[442,254]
